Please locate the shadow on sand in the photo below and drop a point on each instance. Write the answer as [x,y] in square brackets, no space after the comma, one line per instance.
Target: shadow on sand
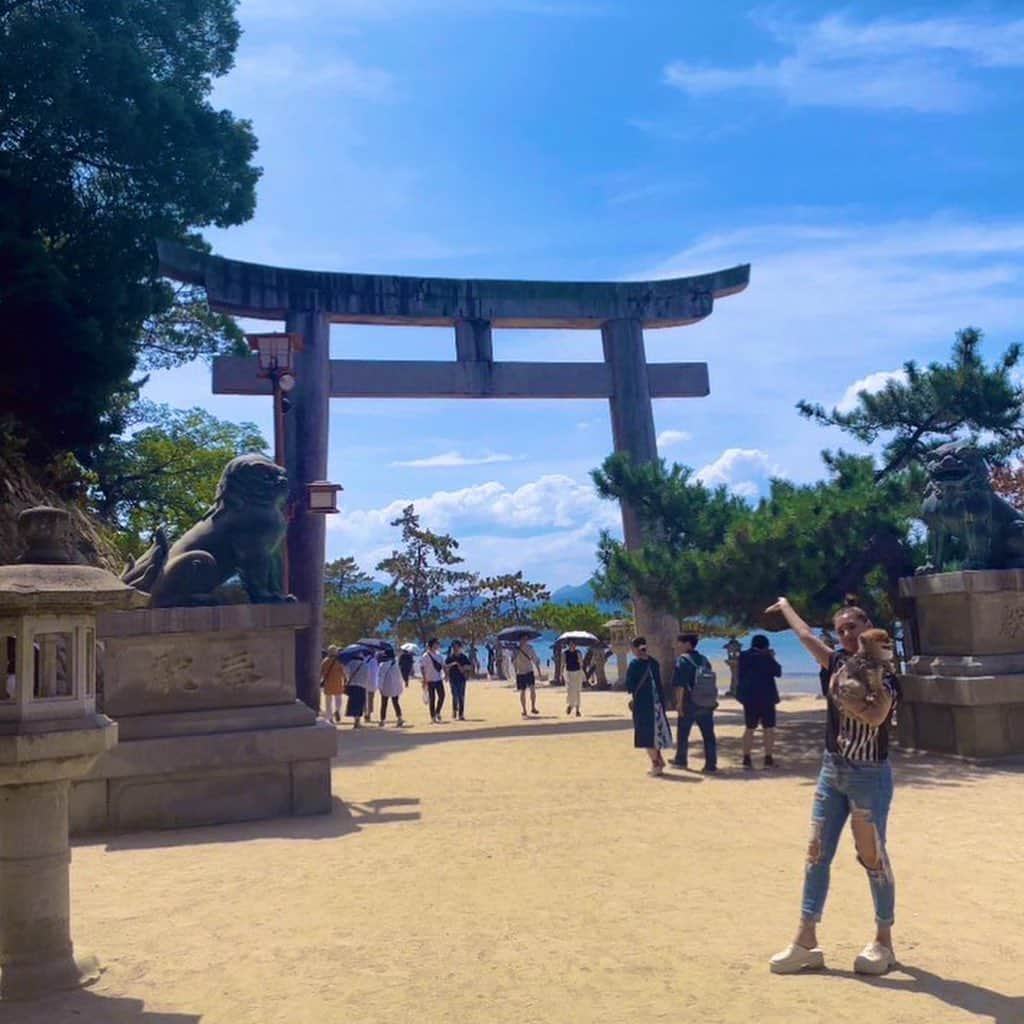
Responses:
[984,1003]
[343,819]
[90,1007]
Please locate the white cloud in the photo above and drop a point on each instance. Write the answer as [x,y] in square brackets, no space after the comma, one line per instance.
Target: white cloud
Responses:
[285,70]
[453,459]
[872,383]
[830,300]
[745,471]
[668,438]
[548,527]
[926,65]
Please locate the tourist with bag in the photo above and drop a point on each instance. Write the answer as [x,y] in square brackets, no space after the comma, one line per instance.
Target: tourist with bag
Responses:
[432,670]
[524,664]
[332,682]
[758,692]
[651,731]
[358,678]
[696,689]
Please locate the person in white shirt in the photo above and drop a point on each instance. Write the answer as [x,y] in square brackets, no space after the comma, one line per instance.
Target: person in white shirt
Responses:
[391,686]
[432,671]
[527,668]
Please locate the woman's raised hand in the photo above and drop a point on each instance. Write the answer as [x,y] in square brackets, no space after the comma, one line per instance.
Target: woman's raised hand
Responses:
[778,606]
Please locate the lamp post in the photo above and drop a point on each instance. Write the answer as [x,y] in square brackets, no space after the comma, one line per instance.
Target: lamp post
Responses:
[276,355]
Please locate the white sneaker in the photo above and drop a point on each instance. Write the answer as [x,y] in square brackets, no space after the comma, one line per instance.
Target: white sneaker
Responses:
[875,959]
[794,959]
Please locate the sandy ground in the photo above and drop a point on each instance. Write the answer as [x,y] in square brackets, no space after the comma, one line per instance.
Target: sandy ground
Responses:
[506,871]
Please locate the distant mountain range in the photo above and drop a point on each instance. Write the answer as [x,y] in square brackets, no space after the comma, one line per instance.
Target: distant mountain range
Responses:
[582,594]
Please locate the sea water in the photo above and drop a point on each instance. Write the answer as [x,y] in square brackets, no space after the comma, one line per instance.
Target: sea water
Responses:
[799,670]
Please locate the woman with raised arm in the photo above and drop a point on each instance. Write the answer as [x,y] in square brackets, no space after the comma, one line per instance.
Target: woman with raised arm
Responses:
[855,782]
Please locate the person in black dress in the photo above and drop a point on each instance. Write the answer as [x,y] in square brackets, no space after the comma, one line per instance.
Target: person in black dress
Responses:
[651,730]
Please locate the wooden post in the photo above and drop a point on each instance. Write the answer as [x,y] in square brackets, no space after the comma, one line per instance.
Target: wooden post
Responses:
[633,433]
[305,450]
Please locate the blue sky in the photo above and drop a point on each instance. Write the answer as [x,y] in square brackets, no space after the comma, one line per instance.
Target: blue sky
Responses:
[865,159]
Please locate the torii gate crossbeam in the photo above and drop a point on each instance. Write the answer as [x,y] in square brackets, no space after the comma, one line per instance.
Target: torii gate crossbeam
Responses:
[309,302]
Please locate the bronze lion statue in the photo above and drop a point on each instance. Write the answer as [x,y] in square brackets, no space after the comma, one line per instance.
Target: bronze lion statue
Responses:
[240,535]
[969,525]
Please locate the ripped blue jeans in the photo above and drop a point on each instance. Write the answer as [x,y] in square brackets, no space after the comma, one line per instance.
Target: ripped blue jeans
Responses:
[863,789]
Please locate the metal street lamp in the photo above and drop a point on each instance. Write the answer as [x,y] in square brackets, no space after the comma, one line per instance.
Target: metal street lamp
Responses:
[276,355]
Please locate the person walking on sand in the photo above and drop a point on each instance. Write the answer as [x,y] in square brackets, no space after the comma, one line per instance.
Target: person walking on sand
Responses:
[572,661]
[458,665]
[372,685]
[526,665]
[432,670]
[332,682]
[391,683]
[855,782]
[651,730]
[406,663]
[758,692]
[695,703]
[358,675]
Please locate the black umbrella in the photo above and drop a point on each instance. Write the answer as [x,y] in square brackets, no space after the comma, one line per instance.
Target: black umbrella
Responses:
[513,634]
[356,652]
[379,645]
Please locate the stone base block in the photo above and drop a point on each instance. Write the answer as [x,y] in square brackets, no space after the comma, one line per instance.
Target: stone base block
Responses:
[970,717]
[189,780]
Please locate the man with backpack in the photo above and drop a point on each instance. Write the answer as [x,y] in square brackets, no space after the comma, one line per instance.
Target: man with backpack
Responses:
[696,690]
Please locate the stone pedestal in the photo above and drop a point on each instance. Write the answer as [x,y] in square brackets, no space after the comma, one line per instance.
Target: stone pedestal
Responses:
[36,952]
[211,731]
[36,768]
[963,692]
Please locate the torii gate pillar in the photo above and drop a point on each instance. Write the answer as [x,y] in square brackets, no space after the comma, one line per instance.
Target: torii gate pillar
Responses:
[633,434]
[305,459]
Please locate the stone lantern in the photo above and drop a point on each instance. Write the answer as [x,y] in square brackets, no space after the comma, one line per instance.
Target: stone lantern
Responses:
[50,734]
[620,635]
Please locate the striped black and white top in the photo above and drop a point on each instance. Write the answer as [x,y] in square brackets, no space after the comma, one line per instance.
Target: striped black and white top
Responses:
[850,738]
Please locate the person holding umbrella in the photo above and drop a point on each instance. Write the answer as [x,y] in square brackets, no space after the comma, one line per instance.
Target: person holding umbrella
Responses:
[357,660]
[573,662]
[525,662]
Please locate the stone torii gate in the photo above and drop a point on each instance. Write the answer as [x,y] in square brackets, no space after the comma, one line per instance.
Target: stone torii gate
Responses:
[309,302]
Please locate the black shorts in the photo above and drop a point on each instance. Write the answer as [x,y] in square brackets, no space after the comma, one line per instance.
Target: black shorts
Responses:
[759,714]
[525,681]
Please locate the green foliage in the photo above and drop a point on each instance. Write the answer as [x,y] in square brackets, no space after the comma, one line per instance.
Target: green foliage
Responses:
[815,544]
[163,470]
[713,557]
[108,142]
[959,400]
[509,599]
[683,520]
[565,617]
[358,613]
[343,577]
[421,573]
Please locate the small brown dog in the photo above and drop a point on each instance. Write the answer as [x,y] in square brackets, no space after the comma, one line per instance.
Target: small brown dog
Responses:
[865,671]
